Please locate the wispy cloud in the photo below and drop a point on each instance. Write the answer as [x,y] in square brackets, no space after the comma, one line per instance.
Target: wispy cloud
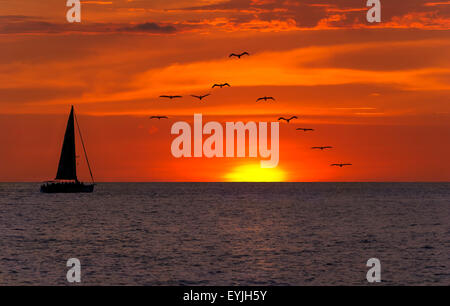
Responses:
[236,15]
[32,25]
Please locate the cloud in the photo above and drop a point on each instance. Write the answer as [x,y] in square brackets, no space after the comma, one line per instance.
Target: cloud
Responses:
[324,14]
[67,69]
[238,15]
[15,18]
[211,16]
[31,25]
[150,27]
[406,55]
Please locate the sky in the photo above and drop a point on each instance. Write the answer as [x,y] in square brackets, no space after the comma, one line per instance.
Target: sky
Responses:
[378,93]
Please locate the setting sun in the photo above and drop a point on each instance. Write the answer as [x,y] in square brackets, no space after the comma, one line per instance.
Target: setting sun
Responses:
[254,173]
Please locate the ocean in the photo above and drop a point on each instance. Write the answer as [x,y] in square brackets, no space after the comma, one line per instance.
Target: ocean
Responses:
[227,234]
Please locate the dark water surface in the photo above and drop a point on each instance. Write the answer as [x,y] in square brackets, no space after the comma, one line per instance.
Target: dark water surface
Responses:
[227,234]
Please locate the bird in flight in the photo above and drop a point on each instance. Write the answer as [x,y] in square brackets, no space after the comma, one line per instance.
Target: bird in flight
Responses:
[200,97]
[238,55]
[305,130]
[221,85]
[265,99]
[341,165]
[287,120]
[321,148]
[159,117]
[170,97]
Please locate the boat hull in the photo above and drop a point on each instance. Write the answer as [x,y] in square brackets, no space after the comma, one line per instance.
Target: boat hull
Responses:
[67,188]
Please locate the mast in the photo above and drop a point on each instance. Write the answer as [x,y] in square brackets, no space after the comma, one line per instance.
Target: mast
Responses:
[84,149]
[67,169]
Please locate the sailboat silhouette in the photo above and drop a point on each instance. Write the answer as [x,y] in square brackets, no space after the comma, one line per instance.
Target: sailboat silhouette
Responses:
[66,180]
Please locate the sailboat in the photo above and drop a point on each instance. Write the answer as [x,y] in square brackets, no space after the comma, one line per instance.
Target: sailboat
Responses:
[66,180]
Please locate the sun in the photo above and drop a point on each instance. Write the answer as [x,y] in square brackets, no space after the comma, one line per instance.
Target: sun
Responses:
[254,173]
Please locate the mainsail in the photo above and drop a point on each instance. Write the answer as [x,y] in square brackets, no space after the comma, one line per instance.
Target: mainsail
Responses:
[67,169]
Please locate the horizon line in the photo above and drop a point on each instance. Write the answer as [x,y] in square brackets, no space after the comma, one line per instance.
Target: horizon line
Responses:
[221,182]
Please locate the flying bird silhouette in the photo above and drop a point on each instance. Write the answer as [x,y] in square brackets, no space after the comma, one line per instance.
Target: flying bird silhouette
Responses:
[321,148]
[341,165]
[221,85]
[170,97]
[288,120]
[159,117]
[200,97]
[238,55]
[265,99]
[305,130]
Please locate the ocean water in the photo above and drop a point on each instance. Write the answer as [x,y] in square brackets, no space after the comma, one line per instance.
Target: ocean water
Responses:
[227,234]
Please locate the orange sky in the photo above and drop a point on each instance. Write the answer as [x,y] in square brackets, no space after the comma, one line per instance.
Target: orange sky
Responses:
[380,94]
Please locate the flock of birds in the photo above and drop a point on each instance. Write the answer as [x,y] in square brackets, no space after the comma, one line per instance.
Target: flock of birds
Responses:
[265,98]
